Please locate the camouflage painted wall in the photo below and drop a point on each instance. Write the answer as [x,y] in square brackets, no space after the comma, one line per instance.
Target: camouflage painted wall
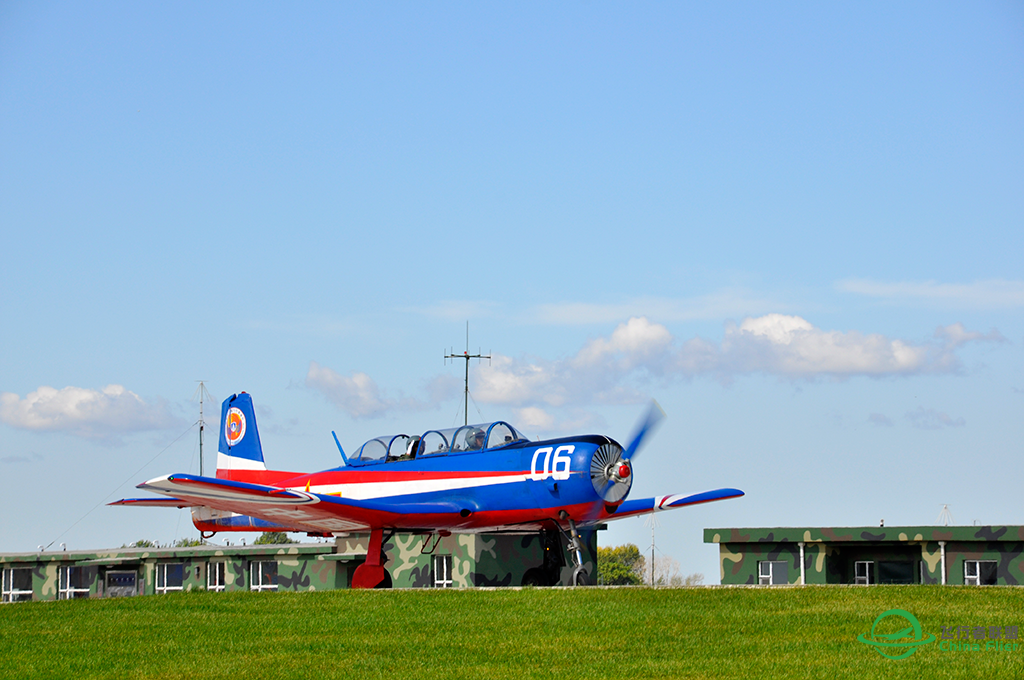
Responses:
[474,559]
[830,553]
[100,574]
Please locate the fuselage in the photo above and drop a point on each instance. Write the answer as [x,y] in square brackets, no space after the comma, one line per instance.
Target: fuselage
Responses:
[522,484]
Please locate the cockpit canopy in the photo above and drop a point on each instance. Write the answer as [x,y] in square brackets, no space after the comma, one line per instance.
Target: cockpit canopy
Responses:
[437,442]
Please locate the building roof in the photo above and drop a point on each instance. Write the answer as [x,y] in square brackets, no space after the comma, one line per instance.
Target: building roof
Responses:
[130,555]
[864,534]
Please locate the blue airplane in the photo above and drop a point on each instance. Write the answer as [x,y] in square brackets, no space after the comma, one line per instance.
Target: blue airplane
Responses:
[486,477]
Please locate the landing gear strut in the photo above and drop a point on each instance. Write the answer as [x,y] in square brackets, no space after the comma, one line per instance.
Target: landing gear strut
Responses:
[580,577]
[371,573]
[550,572]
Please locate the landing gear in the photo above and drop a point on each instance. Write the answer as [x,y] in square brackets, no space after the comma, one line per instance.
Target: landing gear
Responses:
[371,573]
[580,577]
[549,572]
[535,577]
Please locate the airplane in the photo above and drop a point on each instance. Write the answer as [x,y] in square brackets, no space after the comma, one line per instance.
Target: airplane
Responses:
[479,478]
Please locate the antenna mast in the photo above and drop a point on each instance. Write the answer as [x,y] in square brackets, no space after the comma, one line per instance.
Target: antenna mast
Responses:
[467,356]
[654,522]
[201,391]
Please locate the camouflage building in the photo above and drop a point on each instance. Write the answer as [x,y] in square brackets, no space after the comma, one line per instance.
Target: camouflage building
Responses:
[990,555]
[455,561]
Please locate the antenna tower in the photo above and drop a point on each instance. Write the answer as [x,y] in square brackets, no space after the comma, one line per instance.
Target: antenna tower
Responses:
[201,392]
[945,516]
[467,356]
[654,522]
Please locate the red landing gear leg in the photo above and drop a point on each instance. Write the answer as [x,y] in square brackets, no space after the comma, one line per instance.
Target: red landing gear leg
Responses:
[371,573]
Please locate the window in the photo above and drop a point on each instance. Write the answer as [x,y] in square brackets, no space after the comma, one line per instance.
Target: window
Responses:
[120,584]
[442,571]
[980,572]
[17,585]
[895,572]
[170,577]
[215,576]
[772,573]
[72,583]
[862,573]
[263,575]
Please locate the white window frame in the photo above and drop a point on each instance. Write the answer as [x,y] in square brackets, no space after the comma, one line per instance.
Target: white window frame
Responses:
[256,575]
[975,578]
[766,576]
[215,576]
[64,589]
[441,569]
[864,580]
[10,594]
[161,577]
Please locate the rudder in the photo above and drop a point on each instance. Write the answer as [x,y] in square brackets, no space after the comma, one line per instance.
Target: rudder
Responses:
[240,447]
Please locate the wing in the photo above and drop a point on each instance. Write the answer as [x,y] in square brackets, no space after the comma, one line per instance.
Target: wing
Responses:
[643,506]
[290,509]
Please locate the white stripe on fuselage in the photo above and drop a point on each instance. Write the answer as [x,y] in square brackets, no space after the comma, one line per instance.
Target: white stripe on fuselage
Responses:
[368,490]
[226,462]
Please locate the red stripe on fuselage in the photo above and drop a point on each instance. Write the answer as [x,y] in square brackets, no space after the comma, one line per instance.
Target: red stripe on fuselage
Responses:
[266,477]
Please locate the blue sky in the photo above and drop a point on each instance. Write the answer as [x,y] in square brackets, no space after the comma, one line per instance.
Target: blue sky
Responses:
[798,227]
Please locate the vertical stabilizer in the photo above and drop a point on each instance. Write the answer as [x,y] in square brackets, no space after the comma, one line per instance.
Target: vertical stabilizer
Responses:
[240,447]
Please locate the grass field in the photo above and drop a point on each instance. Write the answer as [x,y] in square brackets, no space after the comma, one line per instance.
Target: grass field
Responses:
[481,634]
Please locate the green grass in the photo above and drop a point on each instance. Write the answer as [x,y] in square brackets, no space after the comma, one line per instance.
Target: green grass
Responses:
[482,634]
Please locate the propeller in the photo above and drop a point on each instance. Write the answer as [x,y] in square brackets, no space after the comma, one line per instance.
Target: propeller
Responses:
[611,471]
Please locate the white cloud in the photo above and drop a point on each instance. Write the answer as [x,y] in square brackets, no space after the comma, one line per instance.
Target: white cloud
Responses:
[729,302]
[791,346]
[613,369]
[360,397]
[930,419]
[880,420]
[358,394]
[725,303]
[991,294]
[105,414]
[955,335]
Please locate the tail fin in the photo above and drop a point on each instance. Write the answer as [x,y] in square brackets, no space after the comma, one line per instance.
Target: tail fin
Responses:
[240,447]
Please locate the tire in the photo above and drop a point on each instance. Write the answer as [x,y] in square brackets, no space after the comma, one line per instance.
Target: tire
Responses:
[535,578]
[386,583]
[580,577]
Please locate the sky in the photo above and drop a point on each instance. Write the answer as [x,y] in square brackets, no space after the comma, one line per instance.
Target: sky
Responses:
[796,226]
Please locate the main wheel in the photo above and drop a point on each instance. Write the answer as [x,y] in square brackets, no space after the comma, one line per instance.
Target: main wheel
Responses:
[386,583]
[535,577]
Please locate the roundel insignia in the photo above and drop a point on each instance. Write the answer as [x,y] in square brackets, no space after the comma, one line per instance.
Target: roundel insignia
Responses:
[234,428]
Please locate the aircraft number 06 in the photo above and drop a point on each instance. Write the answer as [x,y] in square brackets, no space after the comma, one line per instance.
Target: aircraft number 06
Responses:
[559,467]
